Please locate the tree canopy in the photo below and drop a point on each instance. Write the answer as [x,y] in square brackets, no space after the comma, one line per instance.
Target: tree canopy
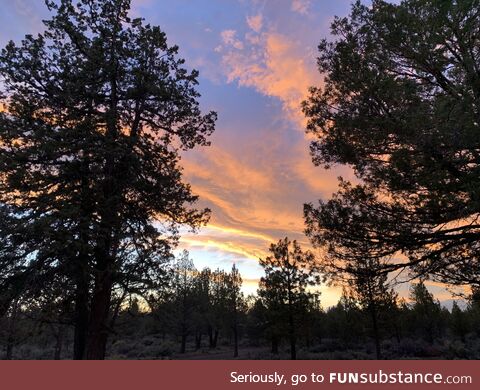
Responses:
[401,106]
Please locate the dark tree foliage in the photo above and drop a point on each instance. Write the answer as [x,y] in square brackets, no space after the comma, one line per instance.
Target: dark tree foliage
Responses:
[371,290]
[184,299]
[220,305]
[459,322]
[364,280]
[473,309]
[235,305]
[36,328]
[289,271]
[344,320]
[426,317]
[96,110]
[201,303]
[401,106]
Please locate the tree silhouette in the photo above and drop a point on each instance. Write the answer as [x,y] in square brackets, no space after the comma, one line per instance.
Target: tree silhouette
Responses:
[219,303]
[344,320]
[426,313]
[375,296]
[235,304]
[184,298]
[289,271]
[363,276]
[96,110]
[400,106]
[459,322]
[473,310]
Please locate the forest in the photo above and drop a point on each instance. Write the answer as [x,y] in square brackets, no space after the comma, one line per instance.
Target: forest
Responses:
[96,113]
[204,315]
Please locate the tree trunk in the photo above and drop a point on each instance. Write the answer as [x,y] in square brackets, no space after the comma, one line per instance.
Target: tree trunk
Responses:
[293,342]
[9,350]
[292,336]
[215,338]
[105,254]
[105,250]
[210,337]
[397,334]
[376,333]
[198,341]
[11,331]
[81,273]
[185,322]
[59,344]
[291,321]
[98,329]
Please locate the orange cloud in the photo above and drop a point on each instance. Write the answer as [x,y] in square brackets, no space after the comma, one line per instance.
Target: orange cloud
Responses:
[275,65]
[252,191]
[213,243]
[257,187]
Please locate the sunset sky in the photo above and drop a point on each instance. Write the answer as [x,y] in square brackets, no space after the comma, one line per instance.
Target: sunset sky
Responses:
[256,60]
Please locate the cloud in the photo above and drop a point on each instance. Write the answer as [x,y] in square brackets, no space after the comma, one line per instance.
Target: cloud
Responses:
[275,65]
[255,190]
[300,6]
[256,184]
[229,38]
[206,242]
[244,189]
[258,173]
[255,22]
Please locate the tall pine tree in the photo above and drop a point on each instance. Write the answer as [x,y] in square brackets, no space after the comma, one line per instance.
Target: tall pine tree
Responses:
[97,109]
[289,272]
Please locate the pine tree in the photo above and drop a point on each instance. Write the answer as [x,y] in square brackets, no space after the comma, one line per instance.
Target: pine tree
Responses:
[473,310]
[346,320]
[401,106]
[235,304]
[459,322]
[183,299]
[289,271]
[365,280]
[370,289]
[96,110]
[427,312]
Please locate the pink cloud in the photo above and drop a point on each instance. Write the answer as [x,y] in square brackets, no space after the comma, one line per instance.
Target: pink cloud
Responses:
[255,22]
[275,65]
[229,39]
[300,6]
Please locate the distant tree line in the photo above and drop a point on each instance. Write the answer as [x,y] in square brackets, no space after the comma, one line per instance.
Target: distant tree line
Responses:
[204,314]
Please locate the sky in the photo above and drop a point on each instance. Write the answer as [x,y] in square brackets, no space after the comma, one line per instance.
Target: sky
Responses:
[257,59]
